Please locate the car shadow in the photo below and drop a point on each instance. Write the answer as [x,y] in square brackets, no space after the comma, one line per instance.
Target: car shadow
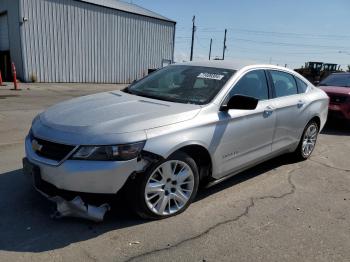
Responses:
[25,222]
[337,127]
[26,226]
[264,167]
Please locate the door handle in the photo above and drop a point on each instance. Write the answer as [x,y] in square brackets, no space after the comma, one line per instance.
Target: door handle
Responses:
[300,104]
[268,111]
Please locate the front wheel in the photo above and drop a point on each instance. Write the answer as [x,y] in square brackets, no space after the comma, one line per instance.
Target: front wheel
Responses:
[168,188]
[308,141]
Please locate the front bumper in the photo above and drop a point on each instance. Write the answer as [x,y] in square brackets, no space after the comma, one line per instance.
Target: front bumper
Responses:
[102,177]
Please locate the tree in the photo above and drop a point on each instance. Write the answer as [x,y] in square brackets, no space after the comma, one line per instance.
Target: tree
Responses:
[348,68]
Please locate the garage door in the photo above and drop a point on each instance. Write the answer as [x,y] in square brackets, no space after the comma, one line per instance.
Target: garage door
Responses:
[4,33]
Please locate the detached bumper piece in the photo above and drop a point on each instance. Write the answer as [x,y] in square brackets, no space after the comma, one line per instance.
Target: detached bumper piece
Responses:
[77,208]
[64,208]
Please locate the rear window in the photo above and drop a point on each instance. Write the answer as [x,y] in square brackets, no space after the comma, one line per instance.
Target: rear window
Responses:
[342,80]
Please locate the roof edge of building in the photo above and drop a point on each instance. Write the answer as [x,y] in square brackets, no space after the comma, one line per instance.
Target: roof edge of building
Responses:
[128,8]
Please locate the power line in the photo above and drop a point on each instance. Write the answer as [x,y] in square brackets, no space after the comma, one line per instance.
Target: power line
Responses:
[199,42]
[313,46]
[289,44]
[291,52]
[217,30]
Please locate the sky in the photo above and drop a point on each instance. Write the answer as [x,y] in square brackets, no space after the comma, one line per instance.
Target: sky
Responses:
[261,31]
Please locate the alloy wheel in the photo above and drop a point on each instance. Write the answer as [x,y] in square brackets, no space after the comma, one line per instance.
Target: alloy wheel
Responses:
[169,187]
[309,140]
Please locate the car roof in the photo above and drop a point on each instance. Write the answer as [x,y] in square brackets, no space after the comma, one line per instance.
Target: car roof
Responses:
[233,65]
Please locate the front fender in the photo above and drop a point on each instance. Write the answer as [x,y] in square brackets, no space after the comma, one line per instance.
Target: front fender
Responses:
[167,140]
[157,147]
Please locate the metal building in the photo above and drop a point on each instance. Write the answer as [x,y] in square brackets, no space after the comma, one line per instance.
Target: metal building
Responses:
[102,41]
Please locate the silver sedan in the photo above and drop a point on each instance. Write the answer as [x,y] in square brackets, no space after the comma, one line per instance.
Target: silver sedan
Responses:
[180,125]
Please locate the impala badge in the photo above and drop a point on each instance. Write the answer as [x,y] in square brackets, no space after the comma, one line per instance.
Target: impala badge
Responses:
[36,146]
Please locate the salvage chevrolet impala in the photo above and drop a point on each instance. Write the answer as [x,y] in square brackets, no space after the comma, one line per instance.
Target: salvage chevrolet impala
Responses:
[179,126]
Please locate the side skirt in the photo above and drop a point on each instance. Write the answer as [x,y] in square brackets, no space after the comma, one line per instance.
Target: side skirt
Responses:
[272,155]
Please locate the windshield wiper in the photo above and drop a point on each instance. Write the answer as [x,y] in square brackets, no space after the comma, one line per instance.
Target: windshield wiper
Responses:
[148,96]
[157,97]
[126,90]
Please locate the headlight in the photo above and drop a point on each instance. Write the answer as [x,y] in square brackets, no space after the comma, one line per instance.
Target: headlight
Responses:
[109,153]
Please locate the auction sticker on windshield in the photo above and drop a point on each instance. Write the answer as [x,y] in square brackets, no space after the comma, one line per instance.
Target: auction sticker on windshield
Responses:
[210,76]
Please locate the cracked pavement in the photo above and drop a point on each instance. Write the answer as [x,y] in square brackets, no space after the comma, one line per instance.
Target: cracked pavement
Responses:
[277,211]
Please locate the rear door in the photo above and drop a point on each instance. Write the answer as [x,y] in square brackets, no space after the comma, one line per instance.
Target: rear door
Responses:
[246,134]
[290,108]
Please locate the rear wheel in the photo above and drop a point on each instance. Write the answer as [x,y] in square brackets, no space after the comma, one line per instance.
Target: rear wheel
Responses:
[308,141]
[168,188]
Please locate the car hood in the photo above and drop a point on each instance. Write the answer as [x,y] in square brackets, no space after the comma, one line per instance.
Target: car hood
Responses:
[336,89]
[110,113]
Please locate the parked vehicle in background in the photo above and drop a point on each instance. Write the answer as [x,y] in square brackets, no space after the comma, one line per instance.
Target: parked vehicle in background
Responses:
[329,68]
[317,71]
[311,71]
[179,126]
[337,87]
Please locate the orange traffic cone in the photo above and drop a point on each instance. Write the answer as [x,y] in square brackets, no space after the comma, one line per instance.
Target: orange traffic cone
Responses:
[14,73]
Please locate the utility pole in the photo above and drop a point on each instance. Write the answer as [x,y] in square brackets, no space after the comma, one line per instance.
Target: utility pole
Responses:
[223,52]
[211,42]
[193,30]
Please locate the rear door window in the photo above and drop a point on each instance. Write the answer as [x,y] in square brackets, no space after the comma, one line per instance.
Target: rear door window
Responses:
[284,83]
[302,86]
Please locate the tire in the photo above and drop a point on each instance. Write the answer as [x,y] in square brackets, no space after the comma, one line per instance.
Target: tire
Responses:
[155,195]
[309,138]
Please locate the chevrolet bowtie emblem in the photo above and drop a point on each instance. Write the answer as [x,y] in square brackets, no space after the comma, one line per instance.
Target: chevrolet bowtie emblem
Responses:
[36,146]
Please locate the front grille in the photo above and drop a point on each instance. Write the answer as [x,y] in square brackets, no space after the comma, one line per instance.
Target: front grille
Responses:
[51,150]
[337,99]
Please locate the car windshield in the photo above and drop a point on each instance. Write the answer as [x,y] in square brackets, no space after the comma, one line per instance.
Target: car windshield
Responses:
[182,84]
[337,80]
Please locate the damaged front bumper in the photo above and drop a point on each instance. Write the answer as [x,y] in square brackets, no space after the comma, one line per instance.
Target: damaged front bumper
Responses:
[68,204]
[100,177]
[71,202]
[67,182]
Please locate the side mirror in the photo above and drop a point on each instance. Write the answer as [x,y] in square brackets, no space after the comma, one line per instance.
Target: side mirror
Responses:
[240,102]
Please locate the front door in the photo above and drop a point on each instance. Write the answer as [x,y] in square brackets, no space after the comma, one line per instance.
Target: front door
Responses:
[247,134]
